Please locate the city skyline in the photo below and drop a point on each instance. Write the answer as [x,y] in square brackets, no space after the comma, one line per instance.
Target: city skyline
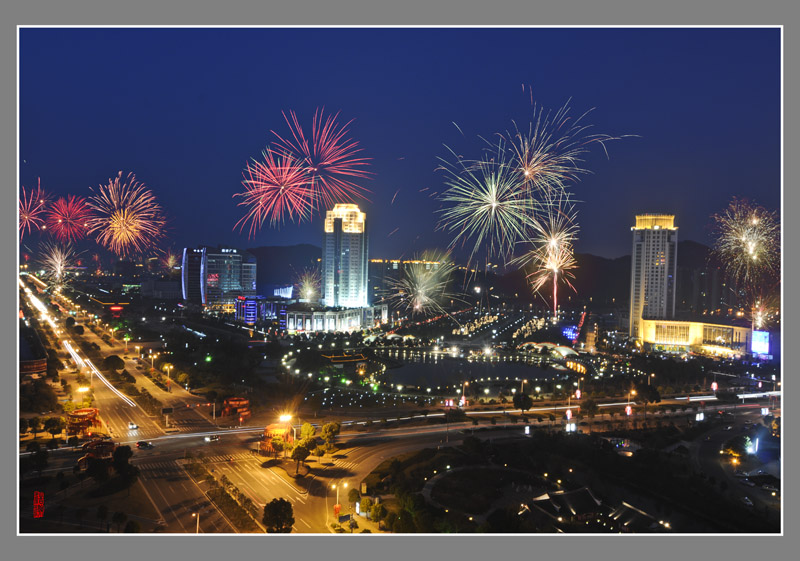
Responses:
[682,147]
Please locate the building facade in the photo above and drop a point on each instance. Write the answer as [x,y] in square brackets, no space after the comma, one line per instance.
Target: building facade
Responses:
[215,277]
[653,270]
[695,336]
[345,274]
[347,319]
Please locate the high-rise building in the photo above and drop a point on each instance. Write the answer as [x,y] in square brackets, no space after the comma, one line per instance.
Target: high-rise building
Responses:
[344,258]
[216,276]
[653,270]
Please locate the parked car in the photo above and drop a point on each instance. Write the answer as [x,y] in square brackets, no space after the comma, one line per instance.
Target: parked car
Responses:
[768,487]
[739,473]
[747,501]
[747,482]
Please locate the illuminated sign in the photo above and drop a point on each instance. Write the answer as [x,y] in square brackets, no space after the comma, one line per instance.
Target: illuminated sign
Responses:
[570,332]
[760,343]
[213,279]
[115,308]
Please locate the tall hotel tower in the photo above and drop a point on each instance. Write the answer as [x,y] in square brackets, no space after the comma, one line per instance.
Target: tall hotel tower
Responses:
[653,269]
[345,274]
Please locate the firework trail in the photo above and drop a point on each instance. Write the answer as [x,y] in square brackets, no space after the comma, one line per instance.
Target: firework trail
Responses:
[55,259]
[552,253]
[329,158]
[98,263]
[747,243]
[127,219]
[68,219]
[275,188]
[32,206]
[423,285]
[486,202]
[550,152]
[308,284]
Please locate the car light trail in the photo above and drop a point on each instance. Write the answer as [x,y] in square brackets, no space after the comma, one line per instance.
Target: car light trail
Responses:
[78,360]
[122,396]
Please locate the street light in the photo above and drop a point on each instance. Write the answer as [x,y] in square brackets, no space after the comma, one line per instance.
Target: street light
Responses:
[285,418]
[197,515]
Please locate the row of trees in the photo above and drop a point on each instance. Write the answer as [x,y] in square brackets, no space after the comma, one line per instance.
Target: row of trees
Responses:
[53,425]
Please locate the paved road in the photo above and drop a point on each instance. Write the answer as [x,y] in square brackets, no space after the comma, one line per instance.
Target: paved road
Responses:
[708,459]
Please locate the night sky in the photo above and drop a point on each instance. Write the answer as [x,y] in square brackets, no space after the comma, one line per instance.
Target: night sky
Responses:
[185,109]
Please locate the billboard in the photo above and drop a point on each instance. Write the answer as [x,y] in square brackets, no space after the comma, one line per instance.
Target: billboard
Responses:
[760,343]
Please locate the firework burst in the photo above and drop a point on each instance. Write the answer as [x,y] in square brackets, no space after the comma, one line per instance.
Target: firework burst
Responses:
[308,284]
[275,188]
[485,202]
[170,261]
[331,160]
[127,218]
[747,243]
[55,260]
[32,206]
[552,255]
[549,154]
[68,219]
[423,285]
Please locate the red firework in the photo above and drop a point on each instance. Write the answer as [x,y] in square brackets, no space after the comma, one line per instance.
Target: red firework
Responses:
[32,205]
[330,159]
[276,188]
[68,218]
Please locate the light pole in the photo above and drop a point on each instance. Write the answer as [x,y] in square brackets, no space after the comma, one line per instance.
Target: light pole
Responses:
[169,368]
[464,393]
[197,515]
[520,386]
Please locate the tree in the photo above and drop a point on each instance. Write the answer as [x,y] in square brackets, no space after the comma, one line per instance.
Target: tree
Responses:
[72,441]
[54,425]
[132,527]
[23,425]
[278,516]
[647,394]
[352,496]
[40,460]
[119,519]
[522,401]
[389,519]
[377,513]
[97,469]
[404,524]
[70,321]
[307,431]
[366,505]
[102,513]
[78,329]
[589,407]
[120,458]
[299,454]
[319,452]
[329,432]
[35,423]
[113,362]
[277,445]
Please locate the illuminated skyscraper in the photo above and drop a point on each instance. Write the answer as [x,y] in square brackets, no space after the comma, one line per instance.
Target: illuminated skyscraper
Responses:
[215,277]
[344,258]
[653,270]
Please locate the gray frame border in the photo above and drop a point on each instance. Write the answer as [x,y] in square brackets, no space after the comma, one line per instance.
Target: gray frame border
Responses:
[364,12]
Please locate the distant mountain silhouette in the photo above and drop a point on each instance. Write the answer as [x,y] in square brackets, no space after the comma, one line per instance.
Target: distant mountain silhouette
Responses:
[607,281]
[281,265]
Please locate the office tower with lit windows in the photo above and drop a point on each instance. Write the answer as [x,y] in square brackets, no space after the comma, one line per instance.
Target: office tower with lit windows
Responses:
[215,276]
[653,270]
[345,274]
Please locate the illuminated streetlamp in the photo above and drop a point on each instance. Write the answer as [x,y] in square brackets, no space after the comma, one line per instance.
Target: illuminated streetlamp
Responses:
[197,515]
